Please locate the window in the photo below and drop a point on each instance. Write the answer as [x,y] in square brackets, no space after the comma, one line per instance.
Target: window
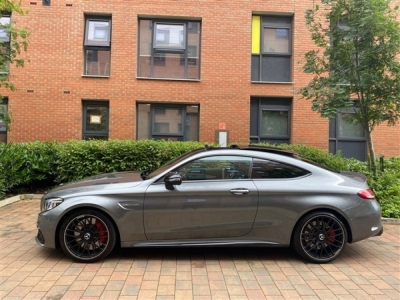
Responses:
[169,49]
[216,168]
[346,137]
[170,122]
[270,120]
[263,169]
[3,118]
[95,120]
[4,43]
[271,48]
[97,46]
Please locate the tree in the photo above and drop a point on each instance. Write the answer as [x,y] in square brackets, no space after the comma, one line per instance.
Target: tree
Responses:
[13,40]
[356,64]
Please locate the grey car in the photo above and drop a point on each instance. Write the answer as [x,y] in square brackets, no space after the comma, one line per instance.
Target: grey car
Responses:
[252,196]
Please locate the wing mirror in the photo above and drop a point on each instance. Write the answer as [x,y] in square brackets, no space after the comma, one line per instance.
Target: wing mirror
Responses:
[172,179]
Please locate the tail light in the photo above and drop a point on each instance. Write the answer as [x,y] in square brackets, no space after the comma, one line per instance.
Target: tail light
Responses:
[366,194]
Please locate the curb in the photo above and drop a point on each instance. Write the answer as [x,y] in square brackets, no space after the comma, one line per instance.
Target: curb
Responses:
[11,200]
[20,197]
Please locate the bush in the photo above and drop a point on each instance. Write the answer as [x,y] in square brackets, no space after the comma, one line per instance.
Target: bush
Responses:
[80,159]
[27,164]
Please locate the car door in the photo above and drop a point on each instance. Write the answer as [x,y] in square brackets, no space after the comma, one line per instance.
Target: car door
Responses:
[217,199]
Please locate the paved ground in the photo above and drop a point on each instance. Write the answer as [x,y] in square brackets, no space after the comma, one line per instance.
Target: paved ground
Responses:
[367,270]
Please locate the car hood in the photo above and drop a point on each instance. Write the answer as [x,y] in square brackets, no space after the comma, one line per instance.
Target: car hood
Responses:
[98,182]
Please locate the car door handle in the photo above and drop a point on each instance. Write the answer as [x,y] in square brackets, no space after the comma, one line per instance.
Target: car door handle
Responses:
[239,191]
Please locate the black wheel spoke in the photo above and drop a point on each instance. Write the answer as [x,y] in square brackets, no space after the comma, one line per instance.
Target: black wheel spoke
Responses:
[322,237]
[86,237]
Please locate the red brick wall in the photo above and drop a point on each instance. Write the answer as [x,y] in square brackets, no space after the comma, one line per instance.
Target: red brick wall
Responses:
[48,103]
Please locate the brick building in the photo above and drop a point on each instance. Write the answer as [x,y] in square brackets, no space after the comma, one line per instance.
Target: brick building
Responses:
[207,70]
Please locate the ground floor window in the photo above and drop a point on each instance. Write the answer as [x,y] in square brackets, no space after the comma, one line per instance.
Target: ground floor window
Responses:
[270,120]
[3,118]
[167,121]
[346,137]
[95,120]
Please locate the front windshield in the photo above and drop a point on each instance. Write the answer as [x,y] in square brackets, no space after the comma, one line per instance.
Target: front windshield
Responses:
[173,162]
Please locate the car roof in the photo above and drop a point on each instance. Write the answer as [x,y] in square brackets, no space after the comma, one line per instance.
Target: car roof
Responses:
[255,148]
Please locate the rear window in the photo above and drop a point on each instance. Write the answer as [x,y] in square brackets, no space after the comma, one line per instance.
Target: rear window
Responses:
[263,168]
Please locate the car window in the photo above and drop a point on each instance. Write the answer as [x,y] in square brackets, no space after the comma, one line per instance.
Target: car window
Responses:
[263,168]
[172,162]
[216,168]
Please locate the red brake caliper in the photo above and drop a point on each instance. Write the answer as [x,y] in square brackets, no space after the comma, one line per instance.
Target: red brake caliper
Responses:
[102,231]
[331,236]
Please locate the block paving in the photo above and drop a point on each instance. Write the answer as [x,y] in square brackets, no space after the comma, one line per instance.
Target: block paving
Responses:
[368,269]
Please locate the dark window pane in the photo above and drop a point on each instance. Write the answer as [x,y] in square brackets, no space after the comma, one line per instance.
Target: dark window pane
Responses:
[273,169]
[98,62]
[170,122]
[275,122]
[143,122]
[255,68]
[332,127]
[3,116]
[96,118]
[348,129]
[275,69]
[171,68]
[353,149]
[192,123]
[276,40]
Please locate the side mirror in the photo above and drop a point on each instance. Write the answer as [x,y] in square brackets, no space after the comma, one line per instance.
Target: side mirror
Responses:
[172,179]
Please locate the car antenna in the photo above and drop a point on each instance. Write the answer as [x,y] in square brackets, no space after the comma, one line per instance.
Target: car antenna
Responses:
[207,147]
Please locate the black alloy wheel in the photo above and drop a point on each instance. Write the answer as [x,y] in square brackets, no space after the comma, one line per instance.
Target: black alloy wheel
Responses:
[320,237]
[87,236]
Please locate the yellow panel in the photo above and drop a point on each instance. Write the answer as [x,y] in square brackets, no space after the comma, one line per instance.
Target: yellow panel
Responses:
[255,35]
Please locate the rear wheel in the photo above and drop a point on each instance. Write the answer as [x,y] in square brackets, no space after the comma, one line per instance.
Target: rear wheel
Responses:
[320,237]
[87,236]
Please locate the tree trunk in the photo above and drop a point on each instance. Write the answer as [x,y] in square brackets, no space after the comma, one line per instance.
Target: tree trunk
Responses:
[371,152]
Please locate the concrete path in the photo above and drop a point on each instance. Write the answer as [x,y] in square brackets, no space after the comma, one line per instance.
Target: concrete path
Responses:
[369,269]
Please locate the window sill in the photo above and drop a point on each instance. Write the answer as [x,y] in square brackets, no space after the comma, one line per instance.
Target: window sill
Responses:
[272,82]
[95,76]
[167,79]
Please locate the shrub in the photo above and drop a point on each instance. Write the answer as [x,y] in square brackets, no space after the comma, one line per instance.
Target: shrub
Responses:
[27,164]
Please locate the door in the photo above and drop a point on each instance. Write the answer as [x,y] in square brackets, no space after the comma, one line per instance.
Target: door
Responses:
[217,199]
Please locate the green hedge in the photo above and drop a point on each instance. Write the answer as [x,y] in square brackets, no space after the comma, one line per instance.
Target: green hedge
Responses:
[26,164]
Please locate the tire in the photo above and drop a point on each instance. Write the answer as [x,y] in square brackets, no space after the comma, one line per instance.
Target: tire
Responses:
[320,237]
[87,236]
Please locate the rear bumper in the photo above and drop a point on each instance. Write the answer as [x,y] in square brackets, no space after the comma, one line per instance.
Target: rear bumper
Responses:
[379,232]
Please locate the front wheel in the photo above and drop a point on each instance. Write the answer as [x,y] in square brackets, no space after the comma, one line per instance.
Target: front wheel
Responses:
[320,237]
[87,236]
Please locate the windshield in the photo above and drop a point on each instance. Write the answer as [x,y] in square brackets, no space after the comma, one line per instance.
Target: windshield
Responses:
[173,162]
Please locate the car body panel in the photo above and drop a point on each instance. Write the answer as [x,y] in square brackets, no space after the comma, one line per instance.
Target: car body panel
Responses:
[191,212]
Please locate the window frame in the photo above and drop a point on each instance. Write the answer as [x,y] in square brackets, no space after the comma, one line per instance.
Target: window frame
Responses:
[89,45]
[98,103]
[267,22]
[155,109]
[3,129]
[260,104]
[189,26]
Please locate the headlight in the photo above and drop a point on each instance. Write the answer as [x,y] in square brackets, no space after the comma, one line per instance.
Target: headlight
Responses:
[51,203]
